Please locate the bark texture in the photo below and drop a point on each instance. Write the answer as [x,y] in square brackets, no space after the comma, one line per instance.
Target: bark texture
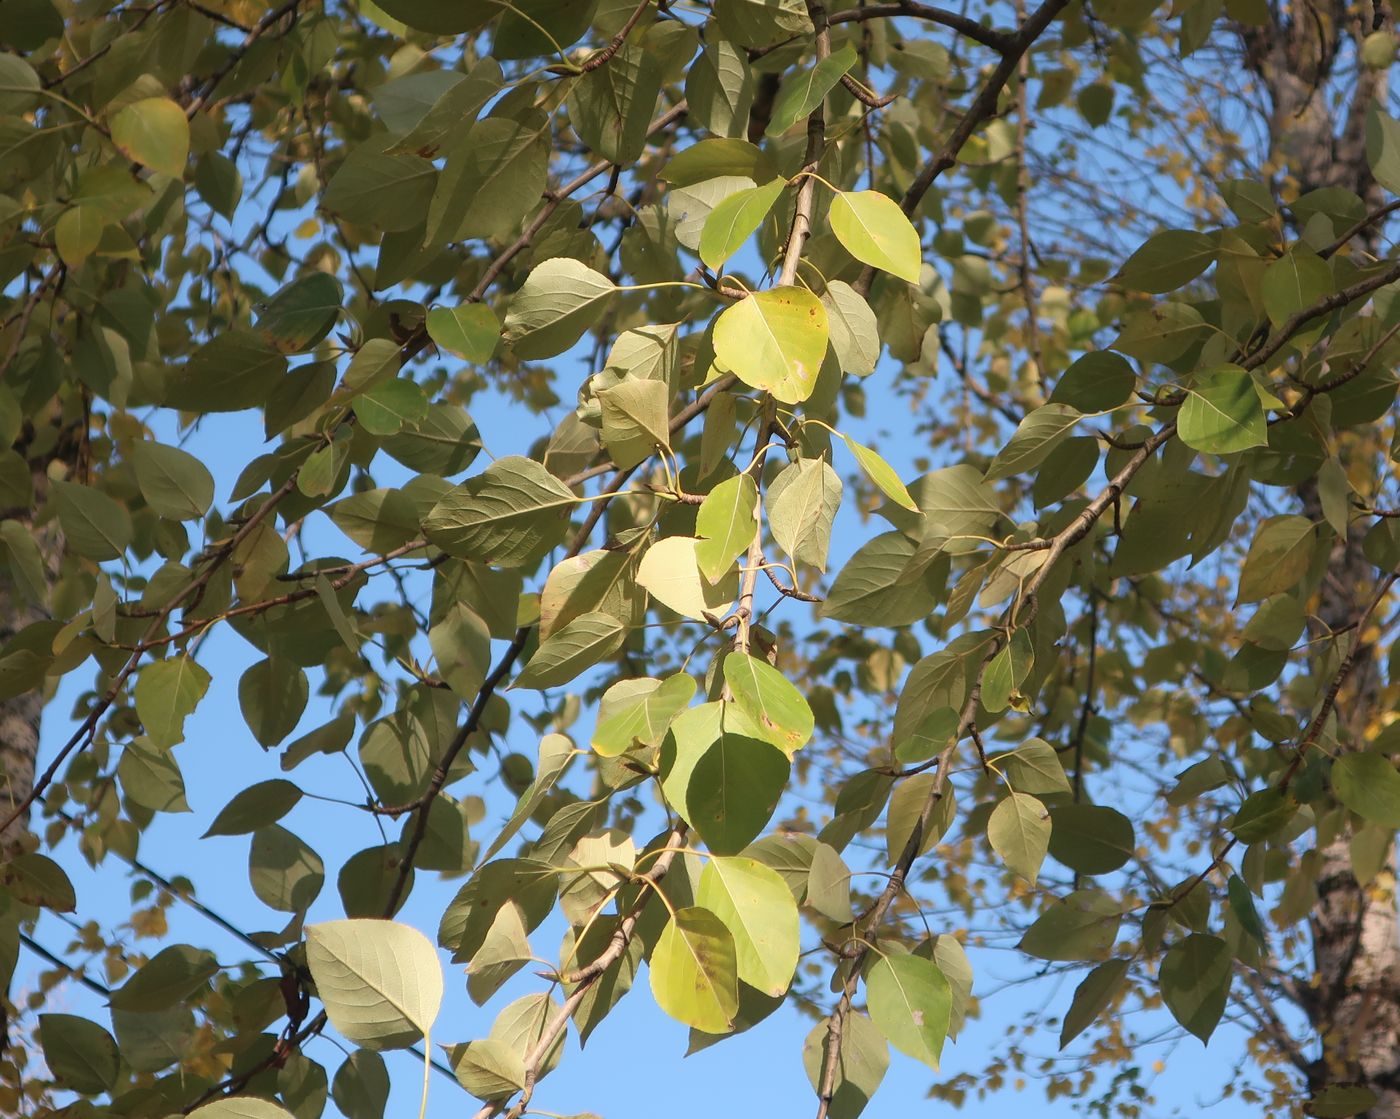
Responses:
[1306,59]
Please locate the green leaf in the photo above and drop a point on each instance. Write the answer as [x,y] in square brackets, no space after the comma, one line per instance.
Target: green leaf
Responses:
[301,314]
[854,330]
[272,695]
[869,590]
[508,515]
[1033,767]
[775,341]
[444,442]
[1278,558]
[1195,982]
[754,904]
[694,971]
[77,233]
[1263,814]
[454,109]
[369,174]
[174,483]
[374,364]
[94,525]
[1383,147]
[1222,413]
[380,981]
[726,522]
[762,23]
[911,1003]
[1295,281]
[882,474]
[721,775]
[556,752]
[255,807]
[560,299]
[611,106]
[1242,905]
[1340,1101]
[907,803]
[599,580]
[572,649]
[19,83]
[173,976]
[875,231]
[167,692]
[376,520]
[151,778]
[461,644]
[285,873]
[390,407]
[1167,261]
[636,420]
[1369,786]
[670,572]
[1161,333]
[718,159]
[153,131]
[639,711]
[1082,926]
[1035,437]
[861,1064]
[439,17]
[777,708]
[36,879]
[802,92]
[470,330]
[1092,997]
[719,88]
[1019,832]
[361,1086]
[81,1055]
[801,506]
[734,220]
[1096,382]
[1091,838]
[489,1069]
[496,171]
[233,371]
[541,27]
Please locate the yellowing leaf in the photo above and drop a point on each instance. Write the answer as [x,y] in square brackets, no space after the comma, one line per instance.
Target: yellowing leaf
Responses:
[694,971]
[876,232]
[756,907]
[670,571]
[241,1107]
[882,474]
[774,340]
[153,131]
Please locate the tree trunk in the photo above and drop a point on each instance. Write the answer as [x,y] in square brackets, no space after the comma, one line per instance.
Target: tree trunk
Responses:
[1353,1003]
[20,716]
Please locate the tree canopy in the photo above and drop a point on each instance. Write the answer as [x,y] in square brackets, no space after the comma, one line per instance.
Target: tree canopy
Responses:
[932,491]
